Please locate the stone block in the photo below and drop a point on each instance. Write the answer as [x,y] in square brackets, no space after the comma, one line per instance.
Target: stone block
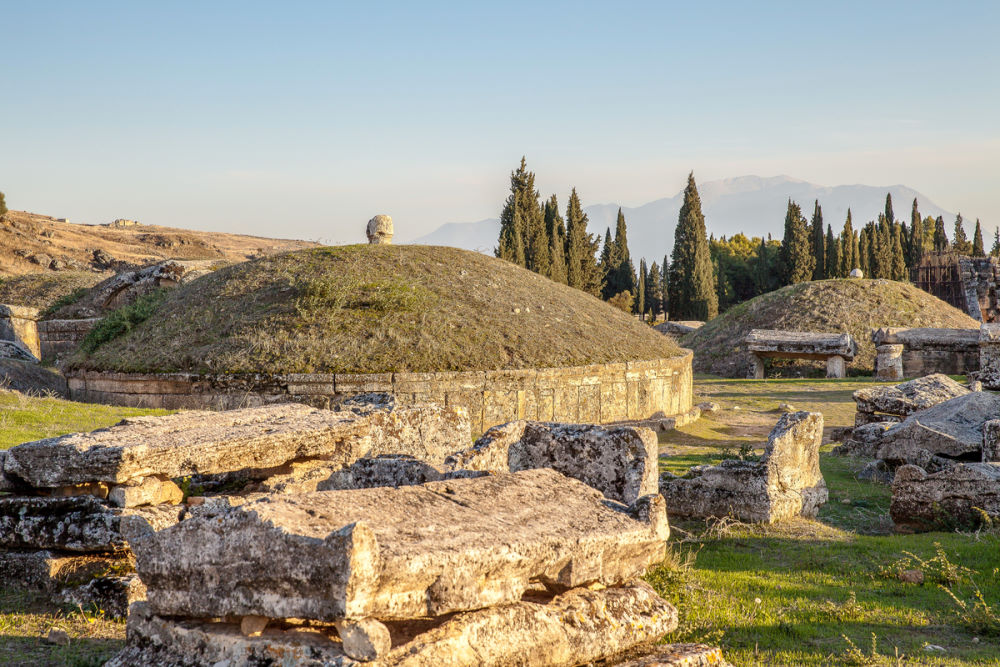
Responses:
[889,362]
[904,399]
[680,655]
[957,498]
[408,552]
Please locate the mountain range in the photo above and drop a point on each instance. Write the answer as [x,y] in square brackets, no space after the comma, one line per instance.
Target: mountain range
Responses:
[752,205]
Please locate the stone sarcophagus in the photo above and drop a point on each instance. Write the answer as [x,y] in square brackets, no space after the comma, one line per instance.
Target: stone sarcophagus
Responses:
[924,351]
[834,348]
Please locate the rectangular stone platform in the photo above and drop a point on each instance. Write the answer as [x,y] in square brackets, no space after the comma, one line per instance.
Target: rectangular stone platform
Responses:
[216,442]
[834,348]
[397,553]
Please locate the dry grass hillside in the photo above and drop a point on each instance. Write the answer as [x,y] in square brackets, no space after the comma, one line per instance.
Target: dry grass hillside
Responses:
[45,290]
[31,243]
[371,309]
[847,306]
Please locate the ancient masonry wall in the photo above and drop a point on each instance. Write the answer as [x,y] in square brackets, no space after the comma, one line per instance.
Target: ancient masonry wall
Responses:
[18,323]
[583,394]
[60,338]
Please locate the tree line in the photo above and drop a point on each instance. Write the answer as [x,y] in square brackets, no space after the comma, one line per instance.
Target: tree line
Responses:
[705,275]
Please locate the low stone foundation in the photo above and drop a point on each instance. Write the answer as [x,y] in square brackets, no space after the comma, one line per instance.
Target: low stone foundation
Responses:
[600,394]
[926,351]
[60,338]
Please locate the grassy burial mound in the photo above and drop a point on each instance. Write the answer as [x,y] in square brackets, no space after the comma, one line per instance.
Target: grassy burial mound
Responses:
[47,290]
[368,309]
[846,306]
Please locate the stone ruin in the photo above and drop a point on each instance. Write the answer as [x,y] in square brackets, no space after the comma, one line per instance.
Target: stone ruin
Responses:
[902,352]
[967,283]
[784,483]
[371,533]
[678,328]
[833,348]
[938,445]
[379,230]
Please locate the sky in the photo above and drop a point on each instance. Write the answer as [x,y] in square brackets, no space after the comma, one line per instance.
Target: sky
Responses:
[303,120]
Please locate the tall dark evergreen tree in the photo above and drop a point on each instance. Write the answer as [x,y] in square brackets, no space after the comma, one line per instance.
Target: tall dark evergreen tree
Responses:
[640,295]
[995,250]
[516,217]
[692,284]
[848,248]
[665,284]
[864,254]
[820,269]
[977,241]
[898,260]
[940,237]
[960,242]
[916,235]
[654,287]
[582,271]
[555,228]
[623,277]
[609,266]
[797,259]
[832,255]
[890,217]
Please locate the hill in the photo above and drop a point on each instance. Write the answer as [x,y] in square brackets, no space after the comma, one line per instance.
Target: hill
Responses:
[374,309]
[749,204]
[846,306]
[31,243]
[45,290]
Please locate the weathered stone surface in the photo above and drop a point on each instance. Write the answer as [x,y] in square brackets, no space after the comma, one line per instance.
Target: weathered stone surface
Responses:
[953,429]
[991,441]
[889,362]
[111,595]
[49,571]
[13,349]
[388,470]
[578,627]
[950,499]
[681,655]
[932,350]
[786,481]
[904,399]
[216,442]
[864,441]
[620,462]
[399,553]
[153,490]
[876,471]
[679,327]
[76,523]
[380,230]
[989,355]
[773,342]
[364,639]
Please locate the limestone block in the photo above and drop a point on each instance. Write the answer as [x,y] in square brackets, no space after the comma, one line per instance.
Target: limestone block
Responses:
[80,523]
[801,343]
[756,368]
[49,571]
[952,429]
[889,362]
[680,655]
[865,440]
[577,627]
[620,462]
[786,481]
[406,552]
[950,499]
[390,470]
[835,367]
[112,595]
[152,490]
[15,349]
[904,399]
[991,441]
[989,355]
[364,639]
[380,230]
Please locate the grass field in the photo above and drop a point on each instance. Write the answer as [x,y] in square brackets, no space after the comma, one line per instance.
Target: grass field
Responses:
[820,592]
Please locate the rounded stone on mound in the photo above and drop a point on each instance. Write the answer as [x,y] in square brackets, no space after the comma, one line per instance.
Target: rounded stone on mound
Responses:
[380,230]
[857,273]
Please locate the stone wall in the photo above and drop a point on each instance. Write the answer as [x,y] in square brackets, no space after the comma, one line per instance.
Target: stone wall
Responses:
[578,394]
[18,323]
[928,350]
[60,338]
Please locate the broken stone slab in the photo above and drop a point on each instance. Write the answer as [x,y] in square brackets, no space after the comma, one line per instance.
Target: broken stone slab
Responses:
[406,552]
[681,655]
[621,462]
[153,490]
[679,327]
[580,626]
[202,442]
[864,441]
[48,571]
[110,595]
[952,429]
[388,470]
[904,399]
[15,349]
[75,523]
[957,498]
[785,482]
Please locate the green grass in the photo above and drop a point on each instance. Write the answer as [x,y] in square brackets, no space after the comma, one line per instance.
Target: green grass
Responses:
[375,309]
[790,593]
[25,418]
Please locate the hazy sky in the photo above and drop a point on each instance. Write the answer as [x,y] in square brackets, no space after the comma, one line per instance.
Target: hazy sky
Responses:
[303,120]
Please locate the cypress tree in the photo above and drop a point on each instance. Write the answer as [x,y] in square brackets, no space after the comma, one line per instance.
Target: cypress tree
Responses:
[665,287]
[582,271]
[863,255]
[995,250]
[940,237]
[555,229]
[761,269]
[797,259]
[653,289]
[3,206]
[832,255]
[609,266]
[898,259]
[848,248]
[820,270]
[889,216]
[625,274]
[640,296]
[977,242]
[514,219]
[961,241]
[692,285]
[916,235]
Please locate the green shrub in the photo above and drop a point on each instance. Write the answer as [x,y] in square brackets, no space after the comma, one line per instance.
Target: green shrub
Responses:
[119,322]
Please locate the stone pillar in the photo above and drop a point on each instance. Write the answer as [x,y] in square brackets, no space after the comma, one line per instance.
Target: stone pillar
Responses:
[20,324]
[836,367]
[989,355]
[889,362]
[991,441]
[756,368]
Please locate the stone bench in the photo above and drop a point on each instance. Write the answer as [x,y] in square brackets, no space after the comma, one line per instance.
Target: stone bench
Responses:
[902,352]
[834,348]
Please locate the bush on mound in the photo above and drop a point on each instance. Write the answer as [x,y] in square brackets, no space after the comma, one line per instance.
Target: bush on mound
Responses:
[844,306]
[374,309]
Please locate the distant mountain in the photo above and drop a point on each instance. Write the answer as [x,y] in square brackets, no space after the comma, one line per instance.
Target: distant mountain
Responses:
[753,205]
